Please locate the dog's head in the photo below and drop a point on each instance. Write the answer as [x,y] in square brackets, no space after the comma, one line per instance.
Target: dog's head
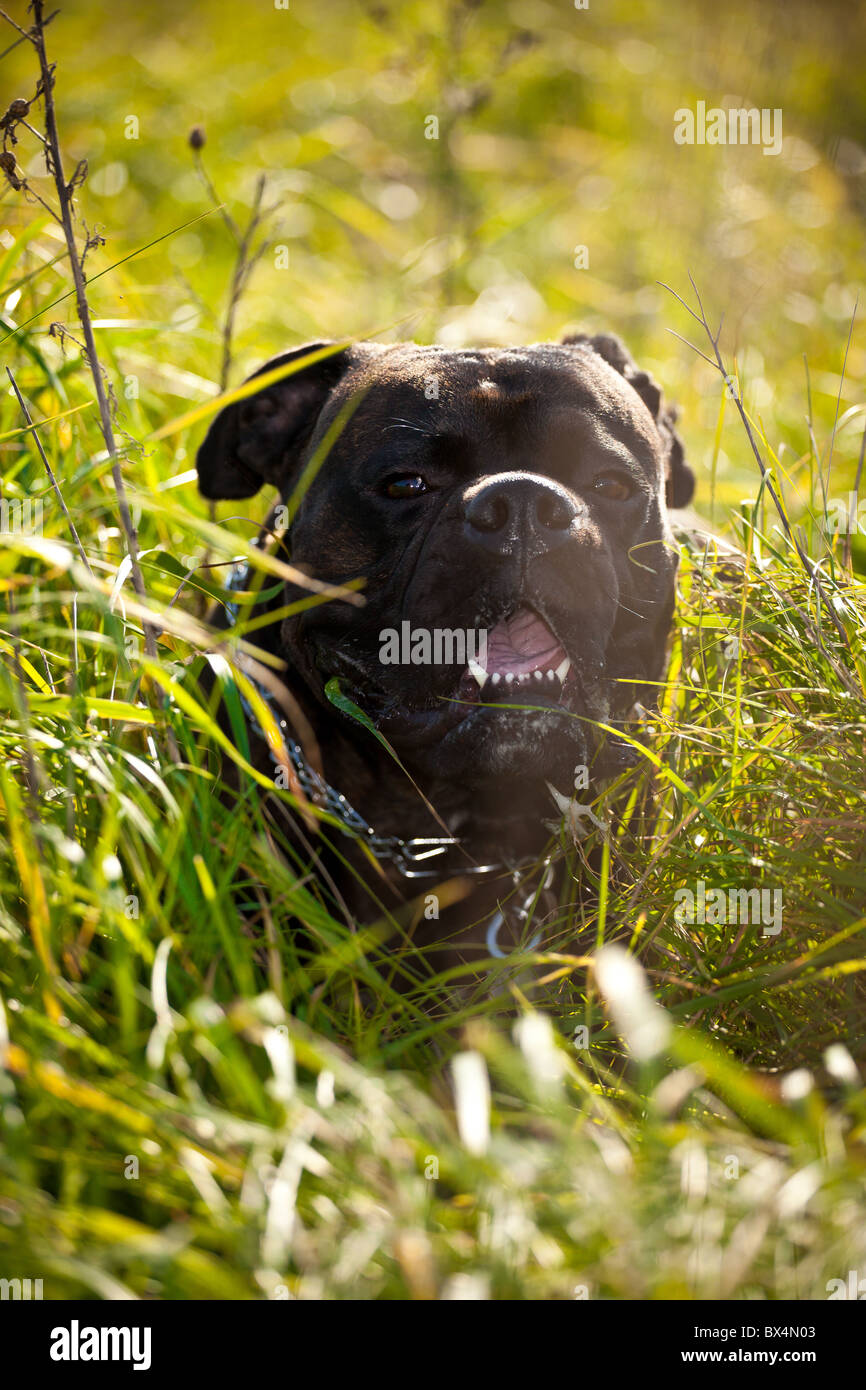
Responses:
[515,495]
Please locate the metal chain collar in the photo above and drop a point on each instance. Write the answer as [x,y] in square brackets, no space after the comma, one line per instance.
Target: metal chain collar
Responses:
[539,896]
[408,856]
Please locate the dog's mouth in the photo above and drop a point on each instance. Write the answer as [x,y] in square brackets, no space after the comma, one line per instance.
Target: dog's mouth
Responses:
[517,663]
[522,656]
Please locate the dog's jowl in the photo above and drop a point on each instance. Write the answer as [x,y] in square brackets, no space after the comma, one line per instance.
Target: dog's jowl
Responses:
[506,514]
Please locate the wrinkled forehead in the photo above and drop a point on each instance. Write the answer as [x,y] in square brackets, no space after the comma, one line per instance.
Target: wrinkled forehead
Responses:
[545,392]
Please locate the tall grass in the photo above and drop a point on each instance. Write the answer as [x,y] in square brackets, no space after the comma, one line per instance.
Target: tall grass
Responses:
[215,1086]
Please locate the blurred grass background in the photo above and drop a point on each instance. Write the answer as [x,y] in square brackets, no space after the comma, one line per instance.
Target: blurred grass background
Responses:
[155,1004]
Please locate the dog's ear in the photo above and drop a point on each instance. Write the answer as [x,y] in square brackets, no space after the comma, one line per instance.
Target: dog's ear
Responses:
[257,439]
[679,478]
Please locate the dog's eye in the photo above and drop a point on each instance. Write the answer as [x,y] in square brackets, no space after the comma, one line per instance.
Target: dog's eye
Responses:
[406,485]
[614,486]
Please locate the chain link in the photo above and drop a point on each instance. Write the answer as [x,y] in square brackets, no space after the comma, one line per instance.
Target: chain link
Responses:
[407,856]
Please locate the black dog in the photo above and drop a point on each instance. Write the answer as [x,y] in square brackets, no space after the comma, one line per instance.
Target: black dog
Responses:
[518,496]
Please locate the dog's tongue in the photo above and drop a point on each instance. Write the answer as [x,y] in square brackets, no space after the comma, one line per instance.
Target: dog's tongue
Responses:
[522,644]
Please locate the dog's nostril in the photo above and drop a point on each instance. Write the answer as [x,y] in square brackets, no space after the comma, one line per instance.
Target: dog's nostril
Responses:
[554,510]
[488,511]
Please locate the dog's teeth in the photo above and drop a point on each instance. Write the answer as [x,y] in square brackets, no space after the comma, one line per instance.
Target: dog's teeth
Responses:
[539,675]
[509,677]
[563,669]
[495,678]
[477,671]
[550,676]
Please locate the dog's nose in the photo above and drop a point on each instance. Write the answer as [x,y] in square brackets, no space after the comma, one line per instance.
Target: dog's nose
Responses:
[514,511]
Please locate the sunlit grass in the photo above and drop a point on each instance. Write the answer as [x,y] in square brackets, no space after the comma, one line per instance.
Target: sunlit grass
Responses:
[215,1085]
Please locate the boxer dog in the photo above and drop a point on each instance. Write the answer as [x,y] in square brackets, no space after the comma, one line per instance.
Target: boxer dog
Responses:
[518,497]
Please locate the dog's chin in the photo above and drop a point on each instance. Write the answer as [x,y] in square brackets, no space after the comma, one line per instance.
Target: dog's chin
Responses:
[470,736]
[493,746]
